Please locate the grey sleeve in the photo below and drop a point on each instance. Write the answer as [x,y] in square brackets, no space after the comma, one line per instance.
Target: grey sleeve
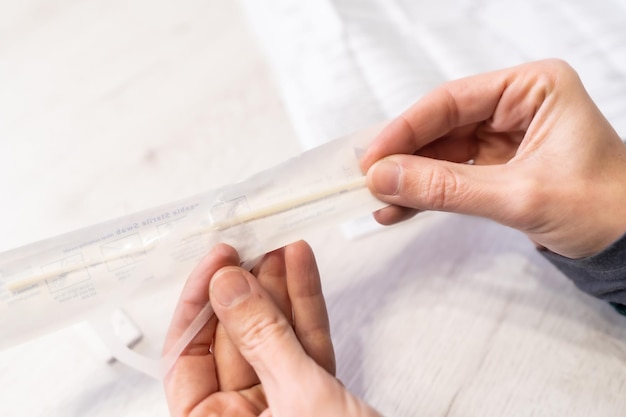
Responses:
[602,275]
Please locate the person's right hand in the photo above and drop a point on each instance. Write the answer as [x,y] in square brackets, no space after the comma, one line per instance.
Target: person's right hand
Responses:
[545,160]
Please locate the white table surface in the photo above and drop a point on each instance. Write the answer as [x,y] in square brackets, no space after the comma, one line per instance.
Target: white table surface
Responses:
[110,107]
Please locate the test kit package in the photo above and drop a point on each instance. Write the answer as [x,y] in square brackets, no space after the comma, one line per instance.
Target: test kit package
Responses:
[141,261]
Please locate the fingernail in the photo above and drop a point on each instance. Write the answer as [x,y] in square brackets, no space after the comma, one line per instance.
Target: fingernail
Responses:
[229,287]
[386,177]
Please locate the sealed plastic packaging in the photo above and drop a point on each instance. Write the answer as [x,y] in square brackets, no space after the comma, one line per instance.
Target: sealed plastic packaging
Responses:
[140,262]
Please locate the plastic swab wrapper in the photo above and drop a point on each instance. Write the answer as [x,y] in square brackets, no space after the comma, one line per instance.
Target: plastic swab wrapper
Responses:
[140,262]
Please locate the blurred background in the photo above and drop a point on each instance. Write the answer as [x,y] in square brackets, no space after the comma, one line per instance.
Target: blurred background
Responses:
[110,107]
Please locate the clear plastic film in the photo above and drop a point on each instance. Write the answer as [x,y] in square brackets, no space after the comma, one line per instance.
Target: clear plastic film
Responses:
[140,262]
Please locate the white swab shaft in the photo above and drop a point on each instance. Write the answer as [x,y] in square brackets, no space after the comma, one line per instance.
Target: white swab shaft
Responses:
[265,212]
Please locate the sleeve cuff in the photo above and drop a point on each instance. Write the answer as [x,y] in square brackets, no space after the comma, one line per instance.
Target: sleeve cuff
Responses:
[602,275]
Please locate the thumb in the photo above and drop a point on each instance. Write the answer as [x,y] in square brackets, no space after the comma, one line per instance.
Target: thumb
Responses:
[259,330]
[430,184]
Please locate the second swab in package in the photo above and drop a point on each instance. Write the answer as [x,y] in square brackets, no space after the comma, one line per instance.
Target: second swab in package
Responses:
[140,262]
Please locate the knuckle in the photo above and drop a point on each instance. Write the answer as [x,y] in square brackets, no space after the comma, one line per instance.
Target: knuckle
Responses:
[445,95]
[527,200]
[452,109]
[439,188]
[558,66]
[551,73]
[261,330]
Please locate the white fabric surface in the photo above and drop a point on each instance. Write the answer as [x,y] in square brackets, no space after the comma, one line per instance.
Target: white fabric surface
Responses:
[111,107]
[344,64]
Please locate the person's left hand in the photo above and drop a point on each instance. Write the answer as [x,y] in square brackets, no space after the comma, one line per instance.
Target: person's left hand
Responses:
[273,318]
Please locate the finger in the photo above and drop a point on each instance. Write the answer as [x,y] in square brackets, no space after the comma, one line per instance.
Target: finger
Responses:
[260,331]
[427,184]
[234,372]
[195,295]
[309,308]
[192,378]
[459,145]
[394,214]
[502,101]
[271,274]
[454,104]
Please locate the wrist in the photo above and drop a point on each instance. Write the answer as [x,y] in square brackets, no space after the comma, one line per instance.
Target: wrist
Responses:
[602,275]
[611,218]
[604,201]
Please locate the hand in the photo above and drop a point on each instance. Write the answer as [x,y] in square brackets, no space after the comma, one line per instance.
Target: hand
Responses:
[545,160]
[268,352]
